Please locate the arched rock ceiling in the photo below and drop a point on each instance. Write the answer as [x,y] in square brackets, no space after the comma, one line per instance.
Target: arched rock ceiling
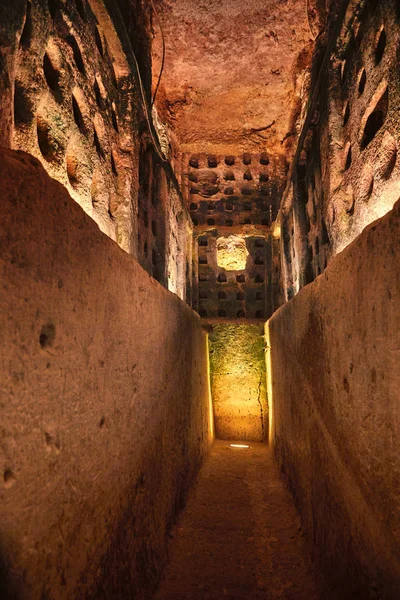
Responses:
[233,72]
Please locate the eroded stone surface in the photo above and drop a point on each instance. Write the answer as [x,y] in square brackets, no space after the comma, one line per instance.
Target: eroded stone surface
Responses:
[76,108]
[106,412]
[238,382]
[232,253]
[233,72]
[334,401]
[71,97]
[348,173]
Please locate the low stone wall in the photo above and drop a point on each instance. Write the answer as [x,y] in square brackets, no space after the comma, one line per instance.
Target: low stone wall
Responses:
[334,360]
[238,382]
[105,407]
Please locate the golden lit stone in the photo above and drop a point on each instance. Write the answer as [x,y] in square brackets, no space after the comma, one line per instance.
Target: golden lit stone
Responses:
[232,253]
[238,383]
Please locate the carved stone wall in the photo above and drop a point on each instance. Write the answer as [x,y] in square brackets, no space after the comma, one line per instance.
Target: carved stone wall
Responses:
[348,174]
[71,97]
[334,394]
[233,200]
[105,415]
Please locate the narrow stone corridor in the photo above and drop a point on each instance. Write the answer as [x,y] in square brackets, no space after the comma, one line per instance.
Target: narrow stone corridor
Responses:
[199,240]
[240,535]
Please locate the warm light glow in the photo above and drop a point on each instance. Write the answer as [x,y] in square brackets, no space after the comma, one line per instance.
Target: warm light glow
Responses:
[245,446]
[211,431]
[268,363]
[238,382]
[232,253]
[172,284]
[276,232]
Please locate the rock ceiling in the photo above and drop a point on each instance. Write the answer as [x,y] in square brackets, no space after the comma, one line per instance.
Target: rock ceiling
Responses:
[233,72]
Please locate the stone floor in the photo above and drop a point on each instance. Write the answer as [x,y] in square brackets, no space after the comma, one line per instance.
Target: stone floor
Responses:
[240,535]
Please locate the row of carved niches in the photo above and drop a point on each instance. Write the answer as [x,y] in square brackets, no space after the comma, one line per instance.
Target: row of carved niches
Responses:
[363,122]
[152,205]
[164,239]
[319,246]
[236,189]
[73,107]
[351,152]
[231,212]
[233,276]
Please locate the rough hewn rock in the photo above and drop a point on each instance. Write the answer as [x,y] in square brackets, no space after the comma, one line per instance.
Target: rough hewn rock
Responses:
[71,98]
[235,195]
[105,410]
[348,173]
[238,383]
[233,72]
[335,406]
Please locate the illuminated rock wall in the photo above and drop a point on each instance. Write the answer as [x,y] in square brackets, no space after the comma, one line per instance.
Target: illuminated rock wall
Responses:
[238,382]
[105,408]
[71,97]
[335,399]
[348,173]
[233,200]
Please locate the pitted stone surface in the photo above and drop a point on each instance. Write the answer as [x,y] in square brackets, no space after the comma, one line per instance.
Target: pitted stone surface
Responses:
[104,401]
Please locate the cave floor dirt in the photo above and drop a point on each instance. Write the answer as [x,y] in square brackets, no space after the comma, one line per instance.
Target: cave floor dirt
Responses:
[239,536]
